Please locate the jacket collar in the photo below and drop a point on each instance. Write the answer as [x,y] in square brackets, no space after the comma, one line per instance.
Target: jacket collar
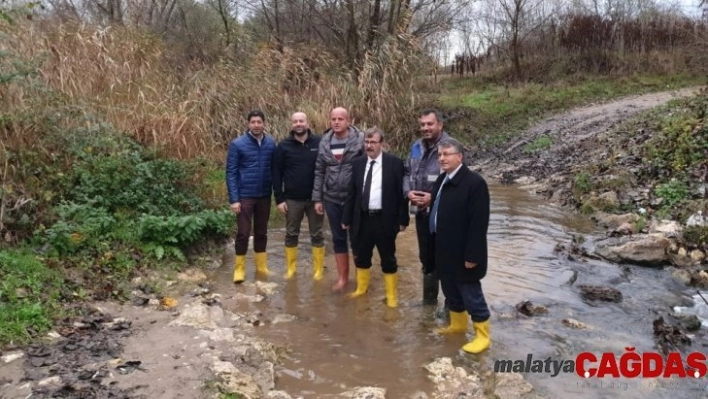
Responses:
[443,136]
[461,173]
[264,136]
[292,136]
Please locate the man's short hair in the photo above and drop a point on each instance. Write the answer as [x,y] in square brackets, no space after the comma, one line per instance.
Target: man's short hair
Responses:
[452,143]
[256,112]
[428,111]
[372,131]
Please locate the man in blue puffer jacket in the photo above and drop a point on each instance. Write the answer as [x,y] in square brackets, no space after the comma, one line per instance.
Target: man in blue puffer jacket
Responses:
[250,185]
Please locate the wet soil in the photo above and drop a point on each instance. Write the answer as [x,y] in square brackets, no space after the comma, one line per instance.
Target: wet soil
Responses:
[575,140]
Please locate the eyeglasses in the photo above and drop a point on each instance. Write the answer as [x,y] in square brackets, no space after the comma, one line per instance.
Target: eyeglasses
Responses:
[367,142]
[447,154]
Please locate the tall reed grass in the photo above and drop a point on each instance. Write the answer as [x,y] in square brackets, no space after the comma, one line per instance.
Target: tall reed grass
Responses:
[130,79]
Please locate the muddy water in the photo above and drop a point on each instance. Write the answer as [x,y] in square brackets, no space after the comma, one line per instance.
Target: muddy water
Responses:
[337,343]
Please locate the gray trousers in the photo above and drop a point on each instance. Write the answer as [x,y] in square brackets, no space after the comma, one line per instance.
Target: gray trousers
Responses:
[293,219]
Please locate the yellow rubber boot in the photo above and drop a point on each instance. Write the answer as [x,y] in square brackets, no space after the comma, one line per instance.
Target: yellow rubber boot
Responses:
[239,269]
[363,276]
[318,263]
[391,281]
[261,259]
[481,339]
[290,261]
[459,321]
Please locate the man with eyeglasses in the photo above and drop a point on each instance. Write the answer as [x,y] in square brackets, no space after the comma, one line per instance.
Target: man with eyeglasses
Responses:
[458,224]
[422,170]
[375,212]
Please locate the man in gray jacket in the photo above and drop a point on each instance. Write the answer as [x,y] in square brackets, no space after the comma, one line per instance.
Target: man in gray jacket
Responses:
[340,144]
[422,170]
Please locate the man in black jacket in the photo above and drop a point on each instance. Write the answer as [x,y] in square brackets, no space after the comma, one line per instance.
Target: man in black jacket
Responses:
[459,220]
[293,179]
[375,212]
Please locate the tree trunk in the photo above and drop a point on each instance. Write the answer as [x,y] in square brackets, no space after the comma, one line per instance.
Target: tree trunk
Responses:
[374,23]
[352,37]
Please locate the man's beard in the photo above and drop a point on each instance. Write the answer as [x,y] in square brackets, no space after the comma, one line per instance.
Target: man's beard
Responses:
[302,133]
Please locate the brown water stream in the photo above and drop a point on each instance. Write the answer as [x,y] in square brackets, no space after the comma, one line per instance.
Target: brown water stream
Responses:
[338,343]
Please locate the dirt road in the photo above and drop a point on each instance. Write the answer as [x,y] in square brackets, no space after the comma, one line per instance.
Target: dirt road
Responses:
[573,137]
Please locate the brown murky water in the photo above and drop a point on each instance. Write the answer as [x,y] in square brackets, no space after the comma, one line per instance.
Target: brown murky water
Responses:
[338,343]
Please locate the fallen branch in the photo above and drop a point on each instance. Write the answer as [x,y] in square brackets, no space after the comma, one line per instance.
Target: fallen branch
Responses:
[699,294]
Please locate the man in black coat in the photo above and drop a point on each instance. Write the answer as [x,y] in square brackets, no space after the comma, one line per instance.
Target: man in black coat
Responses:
[293,179]
[375,212]
[459,220]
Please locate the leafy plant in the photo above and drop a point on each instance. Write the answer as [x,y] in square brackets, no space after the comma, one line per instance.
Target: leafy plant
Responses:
[79,226]
[582,183]
[167,234]
[672,192]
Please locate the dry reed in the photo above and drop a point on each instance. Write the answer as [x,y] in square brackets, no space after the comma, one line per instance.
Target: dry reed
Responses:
[125,77]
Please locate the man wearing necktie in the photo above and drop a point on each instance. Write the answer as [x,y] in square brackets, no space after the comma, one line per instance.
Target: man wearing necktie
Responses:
[458,225]
[375,212]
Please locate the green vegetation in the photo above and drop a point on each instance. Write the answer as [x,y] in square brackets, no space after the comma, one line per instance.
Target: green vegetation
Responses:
[110,208]
[84,207]
[582,183]
[672,143]
[540,143]
[672,193]
[675,155]
[493,112]
[29,296]
[697,235]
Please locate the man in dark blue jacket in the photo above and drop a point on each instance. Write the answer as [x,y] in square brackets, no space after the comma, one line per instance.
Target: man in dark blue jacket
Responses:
[250,185]
[293,180]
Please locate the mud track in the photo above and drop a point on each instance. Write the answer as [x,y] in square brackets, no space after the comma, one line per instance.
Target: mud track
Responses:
[574,140]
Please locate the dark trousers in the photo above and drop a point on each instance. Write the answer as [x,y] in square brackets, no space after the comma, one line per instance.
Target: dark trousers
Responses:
[431,283]
[293,219]
[256,212]
[423,232]
[371,234]
[339,235]
[465,296]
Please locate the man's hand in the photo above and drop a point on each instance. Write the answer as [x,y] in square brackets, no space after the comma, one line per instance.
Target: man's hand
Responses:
[470,265]
[345,227]
[401,228]
[319,208]
[236,208]
[283,207]
[423,200]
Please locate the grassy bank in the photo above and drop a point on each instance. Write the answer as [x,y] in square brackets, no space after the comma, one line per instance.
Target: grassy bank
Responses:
[105,210]
[663,152]
[30,295]
[489,113]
